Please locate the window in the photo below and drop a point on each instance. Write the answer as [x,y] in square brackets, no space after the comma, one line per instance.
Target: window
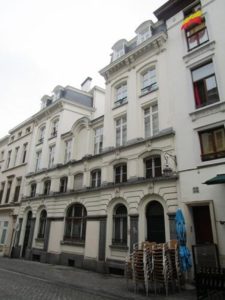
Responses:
[120,225]
[197,35]
[8,191]
[75,227]
[98,140]
[78,181]
[16,155]
[51,156]
[212,143]
[38,161]
[17,191]
[121,94]
[63,184]
[151,121]
[19,134]
[144,35]
[204,84]
[2,191]
[41,134]
[8,159]
[121,131]
[4,232]
[54,129]
[2,155]
[24,153]
[153,167]
[119,49]
[12,138]
[67,155]
[47,186]
[33,188]
[148,81]
[42,224]
[27,130]
[96,178]
[120,172]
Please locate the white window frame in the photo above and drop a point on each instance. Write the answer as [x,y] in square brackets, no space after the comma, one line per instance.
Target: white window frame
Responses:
[51,156]
[121,131]
[98,140]
[16,155]
[54,129]
[149,118]
[121,93]
[144,34]
[148,81]
[41,134]
[8,159]
[68,150]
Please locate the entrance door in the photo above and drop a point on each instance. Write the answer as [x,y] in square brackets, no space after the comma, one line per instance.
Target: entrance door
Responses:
[27,233]
[202,224]
[155,222]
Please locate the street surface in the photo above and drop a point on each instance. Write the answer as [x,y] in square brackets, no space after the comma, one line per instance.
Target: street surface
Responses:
[27,280]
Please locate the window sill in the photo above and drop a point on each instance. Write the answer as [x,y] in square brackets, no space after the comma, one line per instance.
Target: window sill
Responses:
[147,93]
[73,243]
[120,105]
[119,247]
[207,110]
[209,46]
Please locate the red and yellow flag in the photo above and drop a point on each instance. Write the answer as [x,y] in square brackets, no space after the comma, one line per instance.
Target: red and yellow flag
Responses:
[194,19]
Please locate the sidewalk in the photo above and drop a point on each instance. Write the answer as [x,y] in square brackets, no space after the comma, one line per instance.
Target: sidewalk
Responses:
[110,285]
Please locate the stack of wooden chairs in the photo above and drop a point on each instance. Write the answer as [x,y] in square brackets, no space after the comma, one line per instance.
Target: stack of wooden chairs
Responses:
[154,266]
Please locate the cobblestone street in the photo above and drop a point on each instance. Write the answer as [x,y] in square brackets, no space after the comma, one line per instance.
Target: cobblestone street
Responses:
[22,280]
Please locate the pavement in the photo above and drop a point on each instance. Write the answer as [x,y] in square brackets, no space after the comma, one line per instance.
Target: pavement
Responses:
[22,279]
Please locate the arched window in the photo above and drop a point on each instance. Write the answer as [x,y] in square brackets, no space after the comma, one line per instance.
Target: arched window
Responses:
[42,224]
[155,222]
[120,225]
[75,227]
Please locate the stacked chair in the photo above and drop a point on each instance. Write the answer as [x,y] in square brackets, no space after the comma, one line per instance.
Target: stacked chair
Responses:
[154,265]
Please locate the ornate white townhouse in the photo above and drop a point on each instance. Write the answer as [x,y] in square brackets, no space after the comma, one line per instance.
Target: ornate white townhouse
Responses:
[196,70]
[14,150]
[109,168]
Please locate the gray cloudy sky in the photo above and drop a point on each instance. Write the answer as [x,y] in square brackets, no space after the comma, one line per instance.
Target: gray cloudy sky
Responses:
[45,43]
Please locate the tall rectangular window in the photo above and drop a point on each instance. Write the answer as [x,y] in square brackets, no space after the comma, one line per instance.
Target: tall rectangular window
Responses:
[2,191]
[151,121]
[96,178]
[153,167]
[205,86]
[212,143]
[121,131]
[4,232]
[54,129]
[120,172]
[24,153]
[38,161]
[67,156]
[16,155]
[41,134]
[51,156]
[8,159]
[197,35]
[148,81]
[17,191]
[8,191]
[98,140]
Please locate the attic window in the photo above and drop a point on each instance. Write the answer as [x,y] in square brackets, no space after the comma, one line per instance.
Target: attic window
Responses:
[119,49]
[144,34]
[48,102]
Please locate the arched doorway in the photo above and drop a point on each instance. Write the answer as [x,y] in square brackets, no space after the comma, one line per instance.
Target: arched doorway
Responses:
[155,222]
[27,233]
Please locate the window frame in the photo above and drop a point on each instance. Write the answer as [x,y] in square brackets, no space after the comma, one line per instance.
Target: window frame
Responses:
[41,133]
[68,150]
[151,116]
[96,178]
[212,155]
[54,127]
[38,160]
[33,188]
[47,187]
[63,184]
[75,220]
[152,84]
[120,173]
[120,220]
[121,131]
[154,170]
[51,157]
[121,93]
[42,224]
[199,103]
[98,140]
[76,187]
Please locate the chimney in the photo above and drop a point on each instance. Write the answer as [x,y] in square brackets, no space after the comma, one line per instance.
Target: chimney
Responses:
[86,85]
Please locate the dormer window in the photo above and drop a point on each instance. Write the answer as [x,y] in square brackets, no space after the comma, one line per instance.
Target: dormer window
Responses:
[144,32]
[119,49]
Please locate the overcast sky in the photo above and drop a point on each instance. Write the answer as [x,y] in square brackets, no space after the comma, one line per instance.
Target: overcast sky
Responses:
[45,43]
